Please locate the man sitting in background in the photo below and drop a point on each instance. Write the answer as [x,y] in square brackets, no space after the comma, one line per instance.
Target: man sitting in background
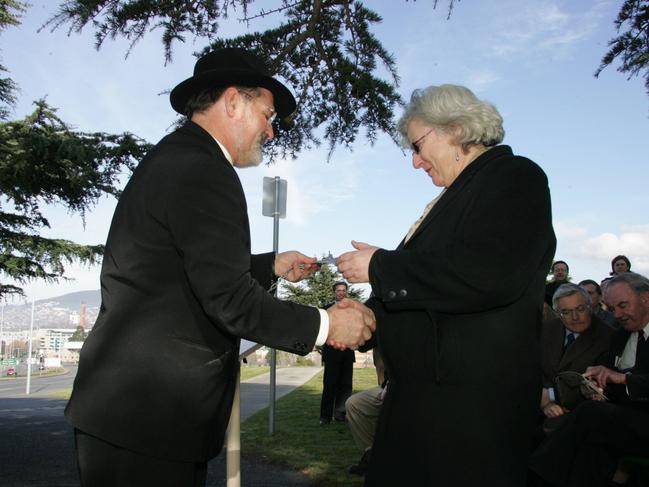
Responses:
[363,410]
[572,342]
[595,292]
[584,451]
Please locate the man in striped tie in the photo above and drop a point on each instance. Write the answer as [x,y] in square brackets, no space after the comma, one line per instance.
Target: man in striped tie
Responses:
[574,341]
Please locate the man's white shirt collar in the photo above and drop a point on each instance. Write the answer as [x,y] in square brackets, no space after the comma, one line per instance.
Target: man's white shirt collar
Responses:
[225,151]
[627,359]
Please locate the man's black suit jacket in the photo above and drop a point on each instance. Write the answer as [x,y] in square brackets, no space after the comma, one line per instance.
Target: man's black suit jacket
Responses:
[179,288]
[636,390]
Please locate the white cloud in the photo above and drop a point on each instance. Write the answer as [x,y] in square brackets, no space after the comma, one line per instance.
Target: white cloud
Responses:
[567,230]
[541,27]
[592,254]
[633,242]
[309,192]
[479,81]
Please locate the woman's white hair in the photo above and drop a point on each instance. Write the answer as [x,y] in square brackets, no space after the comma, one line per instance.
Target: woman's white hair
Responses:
[454,110]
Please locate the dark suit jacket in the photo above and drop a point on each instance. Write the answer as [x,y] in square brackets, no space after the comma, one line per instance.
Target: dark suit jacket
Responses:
[591,348]
[458,314]
[551,288]
[636,390]
[179,288]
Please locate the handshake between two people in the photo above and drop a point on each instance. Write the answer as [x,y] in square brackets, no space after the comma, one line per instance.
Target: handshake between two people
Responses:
[351,323]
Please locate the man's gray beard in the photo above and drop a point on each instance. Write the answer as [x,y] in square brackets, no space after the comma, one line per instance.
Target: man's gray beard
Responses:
[253,156]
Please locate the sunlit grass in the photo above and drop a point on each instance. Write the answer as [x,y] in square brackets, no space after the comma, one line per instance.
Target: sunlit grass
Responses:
[63,394]
[248,372]
[322,452]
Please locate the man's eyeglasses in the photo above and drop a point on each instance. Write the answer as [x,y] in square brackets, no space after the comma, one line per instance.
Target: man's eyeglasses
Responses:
[581,309]
[415,145]
[269,118]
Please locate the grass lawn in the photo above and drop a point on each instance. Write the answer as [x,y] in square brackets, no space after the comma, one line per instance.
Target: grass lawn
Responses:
[322,452]
[248,372]
[63,394]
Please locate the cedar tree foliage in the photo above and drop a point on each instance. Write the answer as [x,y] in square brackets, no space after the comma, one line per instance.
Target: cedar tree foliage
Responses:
[318,290]
[43,161]
[632,43]
[10,11]
[324,49]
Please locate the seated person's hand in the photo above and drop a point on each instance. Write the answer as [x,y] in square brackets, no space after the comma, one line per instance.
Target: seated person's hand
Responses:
[553,410]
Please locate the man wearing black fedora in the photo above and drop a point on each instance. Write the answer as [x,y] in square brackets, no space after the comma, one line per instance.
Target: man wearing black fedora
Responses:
[156,378]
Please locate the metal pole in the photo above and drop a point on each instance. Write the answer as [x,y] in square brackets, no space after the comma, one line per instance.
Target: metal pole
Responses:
[2,354]
[273,352]
[233,439]
[2,324]
[29,353]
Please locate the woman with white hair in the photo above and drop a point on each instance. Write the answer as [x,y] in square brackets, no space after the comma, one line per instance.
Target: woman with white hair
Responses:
[458,303]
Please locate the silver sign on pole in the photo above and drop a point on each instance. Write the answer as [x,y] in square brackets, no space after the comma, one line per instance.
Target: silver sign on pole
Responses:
[274,205]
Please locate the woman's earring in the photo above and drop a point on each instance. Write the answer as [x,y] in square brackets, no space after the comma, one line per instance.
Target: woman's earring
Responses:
[457,156]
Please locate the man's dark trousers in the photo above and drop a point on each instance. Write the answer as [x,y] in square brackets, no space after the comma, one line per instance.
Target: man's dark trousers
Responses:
[337,382]
[102,464]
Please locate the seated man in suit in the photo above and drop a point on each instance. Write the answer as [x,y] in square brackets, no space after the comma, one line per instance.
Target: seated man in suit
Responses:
[585,449]
[363,410]
[574,341]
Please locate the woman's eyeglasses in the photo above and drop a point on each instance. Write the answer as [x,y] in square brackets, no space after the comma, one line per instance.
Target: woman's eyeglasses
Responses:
[415,145]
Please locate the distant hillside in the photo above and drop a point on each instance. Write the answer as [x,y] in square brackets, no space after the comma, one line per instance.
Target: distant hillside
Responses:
[58,312]
[74,300]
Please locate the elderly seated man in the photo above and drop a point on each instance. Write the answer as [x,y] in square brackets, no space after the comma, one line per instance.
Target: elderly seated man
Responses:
[572,342]
[585,449]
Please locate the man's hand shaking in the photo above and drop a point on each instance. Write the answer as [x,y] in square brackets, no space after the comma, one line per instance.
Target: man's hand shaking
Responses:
[351,324]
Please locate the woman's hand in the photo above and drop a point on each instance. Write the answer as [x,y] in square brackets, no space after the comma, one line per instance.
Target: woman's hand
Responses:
[355,265]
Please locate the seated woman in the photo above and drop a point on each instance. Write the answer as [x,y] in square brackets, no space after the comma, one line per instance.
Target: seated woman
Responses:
[620,264]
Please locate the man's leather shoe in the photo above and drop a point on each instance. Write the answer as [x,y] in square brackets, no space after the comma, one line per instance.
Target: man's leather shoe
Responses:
[363,464]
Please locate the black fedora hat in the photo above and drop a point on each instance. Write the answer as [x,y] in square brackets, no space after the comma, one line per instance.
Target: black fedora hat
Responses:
[232,66]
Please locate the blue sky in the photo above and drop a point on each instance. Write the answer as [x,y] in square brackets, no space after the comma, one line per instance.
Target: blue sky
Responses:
[533,59]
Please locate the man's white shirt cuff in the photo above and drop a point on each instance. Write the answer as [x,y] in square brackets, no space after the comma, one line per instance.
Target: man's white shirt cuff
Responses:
[324,328]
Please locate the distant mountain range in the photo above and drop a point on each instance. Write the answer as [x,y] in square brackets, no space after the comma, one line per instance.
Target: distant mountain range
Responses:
[59,312]
[74,300]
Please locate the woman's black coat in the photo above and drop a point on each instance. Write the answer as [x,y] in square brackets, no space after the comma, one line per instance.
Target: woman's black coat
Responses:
[458,314]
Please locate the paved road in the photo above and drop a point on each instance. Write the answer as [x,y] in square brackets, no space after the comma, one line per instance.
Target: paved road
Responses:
[37,446]
[40,386]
